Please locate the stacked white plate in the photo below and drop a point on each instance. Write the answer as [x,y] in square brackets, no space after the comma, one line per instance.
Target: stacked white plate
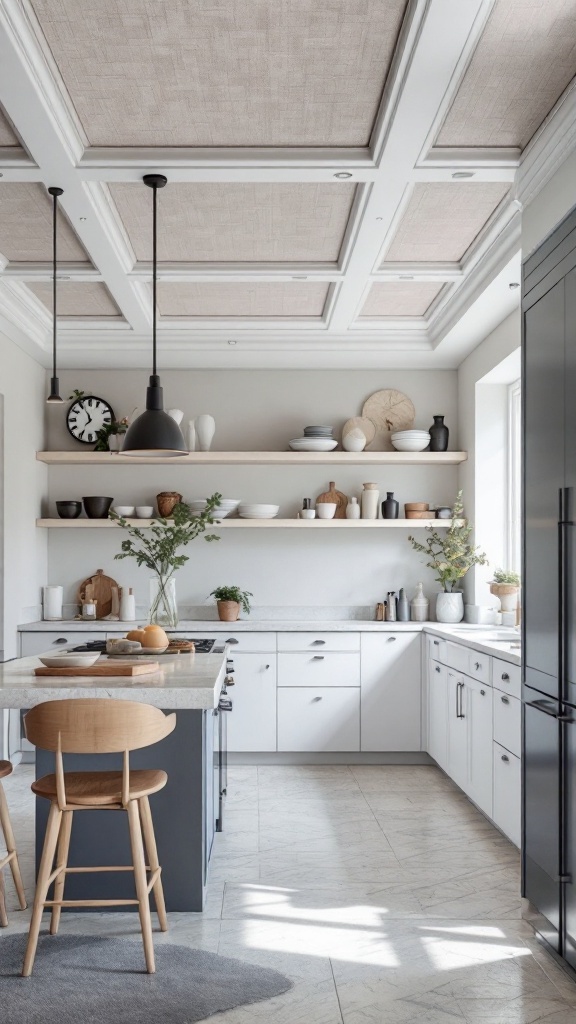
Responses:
[257,511]
[226,507]
[313,444]
[410,440]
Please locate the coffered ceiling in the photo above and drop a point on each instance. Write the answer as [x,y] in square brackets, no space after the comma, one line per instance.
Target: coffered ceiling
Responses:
[342,174]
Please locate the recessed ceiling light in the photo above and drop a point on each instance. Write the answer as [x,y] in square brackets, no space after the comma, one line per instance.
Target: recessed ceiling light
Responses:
[232,343]
[463,174]
[513,285]
[343,174]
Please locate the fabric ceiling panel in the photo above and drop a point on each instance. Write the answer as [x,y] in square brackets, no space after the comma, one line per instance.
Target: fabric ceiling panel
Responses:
[266,299]
[26,226]
[78,298]
[402,298]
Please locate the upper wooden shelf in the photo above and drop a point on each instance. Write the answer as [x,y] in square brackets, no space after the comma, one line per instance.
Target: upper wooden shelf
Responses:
[79,458]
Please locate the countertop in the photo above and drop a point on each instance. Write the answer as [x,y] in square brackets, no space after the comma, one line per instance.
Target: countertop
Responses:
[190,681]
[481,638]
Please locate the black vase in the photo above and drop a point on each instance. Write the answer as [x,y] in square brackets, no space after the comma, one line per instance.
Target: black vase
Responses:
[439,434]
[390,506]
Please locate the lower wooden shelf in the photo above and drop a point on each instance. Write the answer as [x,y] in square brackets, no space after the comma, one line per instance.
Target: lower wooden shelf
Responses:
[258,524]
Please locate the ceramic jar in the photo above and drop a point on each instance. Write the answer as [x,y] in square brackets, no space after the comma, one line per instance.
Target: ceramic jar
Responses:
[166,502]
[450,607]
[353,509]
[390,506]
[419,605]
[205,427]
[439,434]
[369,501]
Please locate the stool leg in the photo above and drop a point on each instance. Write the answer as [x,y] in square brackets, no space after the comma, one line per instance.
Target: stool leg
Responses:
[11,847]
[152,852]
[46,861]
[61,862]
[3,914]
[141,884]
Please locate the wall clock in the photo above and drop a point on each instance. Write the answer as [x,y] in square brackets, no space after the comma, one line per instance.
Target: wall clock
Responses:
[86,416]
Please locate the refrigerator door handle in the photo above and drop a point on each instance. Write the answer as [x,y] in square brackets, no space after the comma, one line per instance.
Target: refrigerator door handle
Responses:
[544,705]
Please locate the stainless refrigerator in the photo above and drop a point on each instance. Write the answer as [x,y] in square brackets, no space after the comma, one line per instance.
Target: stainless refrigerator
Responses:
[549,588]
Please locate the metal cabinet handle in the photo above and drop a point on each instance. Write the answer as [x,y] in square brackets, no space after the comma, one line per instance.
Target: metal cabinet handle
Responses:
[459,692]
[266,666]
[390,639]
[318,657]
[504,757]
[232,640]
[437,668]
[317,642]
[436,643]
[482,693]
[505,677]
[315,699]
[61,640]
[477,665]
[505,700]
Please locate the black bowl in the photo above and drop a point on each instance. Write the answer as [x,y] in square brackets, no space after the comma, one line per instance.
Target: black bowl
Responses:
[69,509]
[97,507]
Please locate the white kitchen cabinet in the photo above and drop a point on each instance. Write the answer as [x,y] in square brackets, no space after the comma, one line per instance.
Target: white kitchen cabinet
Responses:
[508,722]
[438,713]
[478,705]
[45,642]
[305,668]
[457,759]
[507,792]
[319,718]
[391,691]
[507,677]
[257,641]
[252,722]
[319,641]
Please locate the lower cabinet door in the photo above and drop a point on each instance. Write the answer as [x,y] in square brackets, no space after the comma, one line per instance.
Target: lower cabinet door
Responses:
[507,796]
[478,705]
[319,718]
[457,766]
[391,681]
[438,713]
[252,721]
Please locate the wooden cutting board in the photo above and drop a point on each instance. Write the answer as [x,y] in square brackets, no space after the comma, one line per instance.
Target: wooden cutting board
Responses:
[339,499]
[101,670]
[99,588]
[390,410]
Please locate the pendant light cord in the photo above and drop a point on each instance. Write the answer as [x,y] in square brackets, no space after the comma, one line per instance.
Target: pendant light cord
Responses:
[154,261]
[54,265]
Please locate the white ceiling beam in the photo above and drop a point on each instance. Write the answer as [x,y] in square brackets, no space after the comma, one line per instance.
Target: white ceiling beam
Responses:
[436,38]
[419,272]
[43,272]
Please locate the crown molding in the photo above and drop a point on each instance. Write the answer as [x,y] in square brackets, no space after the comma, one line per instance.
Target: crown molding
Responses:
[552,144]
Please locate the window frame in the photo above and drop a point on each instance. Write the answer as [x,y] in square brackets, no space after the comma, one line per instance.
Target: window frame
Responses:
[514,479]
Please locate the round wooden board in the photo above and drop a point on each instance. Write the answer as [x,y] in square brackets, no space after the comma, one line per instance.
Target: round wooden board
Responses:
[389,410]
[337,498]
[364,424]
[101,592]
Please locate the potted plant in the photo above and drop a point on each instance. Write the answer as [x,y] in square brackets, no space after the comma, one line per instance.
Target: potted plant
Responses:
[108,435]
[506,587]
[451,555]
[229,601]
[158,548]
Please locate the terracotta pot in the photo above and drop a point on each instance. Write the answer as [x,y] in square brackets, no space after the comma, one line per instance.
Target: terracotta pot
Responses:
[166,502]
[508,595]
[228,611]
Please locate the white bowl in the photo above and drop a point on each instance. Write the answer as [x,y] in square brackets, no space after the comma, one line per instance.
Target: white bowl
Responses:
[313,444]
[410,444]
[326,509]
[72,660]
[411,433]
[123,510]
[353,444]
[144,511]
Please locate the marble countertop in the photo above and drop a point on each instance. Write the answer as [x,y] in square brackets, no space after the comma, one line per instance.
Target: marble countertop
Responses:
[185,681]
[206,626]
[481,638]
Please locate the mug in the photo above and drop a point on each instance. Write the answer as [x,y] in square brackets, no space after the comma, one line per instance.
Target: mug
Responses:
[326,509]
[307,513]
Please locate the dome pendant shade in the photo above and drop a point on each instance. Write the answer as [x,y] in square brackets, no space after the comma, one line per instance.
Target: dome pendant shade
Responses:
[154,432]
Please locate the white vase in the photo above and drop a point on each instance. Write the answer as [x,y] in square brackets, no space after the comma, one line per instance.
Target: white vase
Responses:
[191,436]
[205,427]
[177,415]
[450,607]
[369,501]
[353,509]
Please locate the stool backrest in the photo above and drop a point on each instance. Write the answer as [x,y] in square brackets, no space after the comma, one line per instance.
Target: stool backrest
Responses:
[96,725]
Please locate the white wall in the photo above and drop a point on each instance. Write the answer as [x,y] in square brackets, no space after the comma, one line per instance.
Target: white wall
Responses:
[482,405]
[258,410]
[23,387]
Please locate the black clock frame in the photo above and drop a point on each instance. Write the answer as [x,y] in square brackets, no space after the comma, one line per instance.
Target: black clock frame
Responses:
[85,398]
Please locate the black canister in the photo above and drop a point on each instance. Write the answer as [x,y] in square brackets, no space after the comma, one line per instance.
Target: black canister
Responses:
[439,434]
[390,506]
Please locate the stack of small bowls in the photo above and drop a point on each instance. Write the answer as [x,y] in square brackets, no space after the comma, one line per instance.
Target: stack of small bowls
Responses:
[316,439]
[227,507]
[258,511]
[410,440]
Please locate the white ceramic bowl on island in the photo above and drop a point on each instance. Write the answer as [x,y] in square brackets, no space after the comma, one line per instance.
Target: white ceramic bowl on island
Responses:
[71,660]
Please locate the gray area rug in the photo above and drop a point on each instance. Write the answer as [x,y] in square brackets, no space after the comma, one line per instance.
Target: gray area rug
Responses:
[85,980]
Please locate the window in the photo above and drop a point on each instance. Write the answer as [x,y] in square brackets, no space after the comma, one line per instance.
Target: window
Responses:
[514,540]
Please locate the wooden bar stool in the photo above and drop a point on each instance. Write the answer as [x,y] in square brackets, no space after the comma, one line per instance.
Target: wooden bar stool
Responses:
[97,726]
[11,856]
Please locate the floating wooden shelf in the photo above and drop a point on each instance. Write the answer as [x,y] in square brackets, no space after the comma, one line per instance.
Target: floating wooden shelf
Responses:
[78,458]
[247,524]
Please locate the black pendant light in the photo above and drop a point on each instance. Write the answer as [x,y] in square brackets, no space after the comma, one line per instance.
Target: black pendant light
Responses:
[54,395]
[154,432]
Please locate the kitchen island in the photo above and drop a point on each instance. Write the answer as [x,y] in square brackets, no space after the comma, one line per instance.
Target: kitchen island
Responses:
[184,813]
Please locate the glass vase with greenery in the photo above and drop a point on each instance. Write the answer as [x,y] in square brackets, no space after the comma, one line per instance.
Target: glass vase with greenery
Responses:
[451,555]
[159,548]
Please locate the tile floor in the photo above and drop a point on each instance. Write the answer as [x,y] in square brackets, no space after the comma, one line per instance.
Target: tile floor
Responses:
[380,891]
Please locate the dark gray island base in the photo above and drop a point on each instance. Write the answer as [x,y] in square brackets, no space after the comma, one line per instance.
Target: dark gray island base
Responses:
[184,815]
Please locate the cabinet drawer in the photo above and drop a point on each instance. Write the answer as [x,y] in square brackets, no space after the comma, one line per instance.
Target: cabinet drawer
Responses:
[317,719]
[307,669]
[507,722]
[479,667]
[436,649]
[507,806]
[318,641]
[456,656]
[507,677]
[238,641]
[42,643]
